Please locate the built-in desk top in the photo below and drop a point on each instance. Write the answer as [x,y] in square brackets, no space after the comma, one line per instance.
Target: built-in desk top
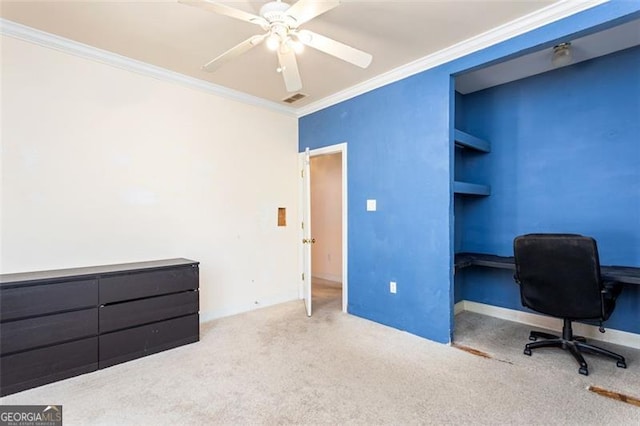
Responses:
[28,278]
[621,274]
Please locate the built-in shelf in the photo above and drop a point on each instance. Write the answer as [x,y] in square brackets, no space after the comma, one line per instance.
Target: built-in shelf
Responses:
[465,140]
[467,188]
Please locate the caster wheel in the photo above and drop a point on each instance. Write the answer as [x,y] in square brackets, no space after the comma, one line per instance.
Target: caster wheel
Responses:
[621,364]
[527,351]
[533,338]
[583,371]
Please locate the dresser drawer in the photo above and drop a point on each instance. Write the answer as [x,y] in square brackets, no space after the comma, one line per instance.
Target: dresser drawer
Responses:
[47,330]
[144,284]
[125,345]
[144,311]
[40,366]
[28,301]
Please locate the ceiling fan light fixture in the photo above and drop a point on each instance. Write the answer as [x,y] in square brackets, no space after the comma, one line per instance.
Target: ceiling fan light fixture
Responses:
[296,45]
[273,42]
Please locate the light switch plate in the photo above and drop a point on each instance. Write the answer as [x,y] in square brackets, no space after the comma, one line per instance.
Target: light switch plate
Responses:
[371,205]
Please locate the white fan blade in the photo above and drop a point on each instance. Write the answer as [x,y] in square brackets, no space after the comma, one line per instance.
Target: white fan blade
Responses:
[222,9]
[234,52]
[289,69]
[335,48]
[306,10]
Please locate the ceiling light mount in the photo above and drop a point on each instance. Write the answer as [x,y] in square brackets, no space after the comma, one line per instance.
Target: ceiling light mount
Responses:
[562,55]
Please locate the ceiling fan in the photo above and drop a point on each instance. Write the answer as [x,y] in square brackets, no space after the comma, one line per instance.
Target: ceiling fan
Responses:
[281,22]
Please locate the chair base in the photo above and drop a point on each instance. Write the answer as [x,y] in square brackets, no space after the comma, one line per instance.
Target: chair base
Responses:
[574,344]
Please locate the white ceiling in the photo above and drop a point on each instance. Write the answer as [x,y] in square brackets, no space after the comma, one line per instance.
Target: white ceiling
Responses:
[181,38]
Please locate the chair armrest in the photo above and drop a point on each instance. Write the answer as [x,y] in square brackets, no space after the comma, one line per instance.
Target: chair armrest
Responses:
[611,289]
[609,293]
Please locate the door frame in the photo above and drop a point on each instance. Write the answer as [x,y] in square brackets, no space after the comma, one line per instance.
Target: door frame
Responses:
[340,148]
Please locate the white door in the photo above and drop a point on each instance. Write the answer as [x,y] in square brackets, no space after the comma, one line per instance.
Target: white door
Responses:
[307,240]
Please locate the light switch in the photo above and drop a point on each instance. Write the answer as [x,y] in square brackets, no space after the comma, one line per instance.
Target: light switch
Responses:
[371,205]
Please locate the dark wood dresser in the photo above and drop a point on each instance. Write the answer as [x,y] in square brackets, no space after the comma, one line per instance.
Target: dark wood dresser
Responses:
[59,324]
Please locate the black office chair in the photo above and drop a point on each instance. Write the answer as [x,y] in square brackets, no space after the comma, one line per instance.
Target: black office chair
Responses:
[559,275]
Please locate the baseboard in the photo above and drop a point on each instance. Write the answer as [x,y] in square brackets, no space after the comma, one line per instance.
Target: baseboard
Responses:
[617,337]
[206,316]
[328,277]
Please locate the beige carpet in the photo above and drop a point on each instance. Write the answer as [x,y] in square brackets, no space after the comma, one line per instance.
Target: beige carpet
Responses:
[276,366]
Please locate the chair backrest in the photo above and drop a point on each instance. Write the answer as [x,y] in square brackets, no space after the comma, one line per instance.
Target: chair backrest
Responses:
[559,275]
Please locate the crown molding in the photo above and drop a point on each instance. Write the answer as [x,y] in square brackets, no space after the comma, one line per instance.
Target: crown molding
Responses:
[540,18]
[494,36]
[25,33]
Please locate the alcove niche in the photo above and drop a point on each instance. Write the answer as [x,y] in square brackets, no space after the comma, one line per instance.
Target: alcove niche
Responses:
[543,146]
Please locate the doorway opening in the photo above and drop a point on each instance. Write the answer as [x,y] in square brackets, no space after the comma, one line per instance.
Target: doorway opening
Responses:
[326,223]
[324,230]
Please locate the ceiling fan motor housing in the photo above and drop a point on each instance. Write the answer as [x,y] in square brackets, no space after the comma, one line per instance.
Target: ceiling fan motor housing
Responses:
[275,13]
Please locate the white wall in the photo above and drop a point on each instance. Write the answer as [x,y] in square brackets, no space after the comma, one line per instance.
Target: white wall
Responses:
[326,216]
[101,165]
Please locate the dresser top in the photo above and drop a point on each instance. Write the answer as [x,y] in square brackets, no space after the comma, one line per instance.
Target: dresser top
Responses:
[11,280]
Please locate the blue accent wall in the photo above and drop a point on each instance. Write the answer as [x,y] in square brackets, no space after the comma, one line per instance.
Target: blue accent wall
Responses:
[400,152]
[401,159]
[565,158]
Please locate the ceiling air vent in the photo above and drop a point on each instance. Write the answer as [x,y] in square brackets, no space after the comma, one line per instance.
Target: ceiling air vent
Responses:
[293,98]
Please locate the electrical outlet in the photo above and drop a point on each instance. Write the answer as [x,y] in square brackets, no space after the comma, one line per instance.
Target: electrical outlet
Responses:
[392,287]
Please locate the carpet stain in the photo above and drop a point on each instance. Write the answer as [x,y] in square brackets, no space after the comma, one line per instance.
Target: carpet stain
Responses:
[615,395]
[472,351]
[479,353]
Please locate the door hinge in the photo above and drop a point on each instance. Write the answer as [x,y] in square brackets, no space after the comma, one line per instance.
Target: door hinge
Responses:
[302,223]
[303,276]
[302,173]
